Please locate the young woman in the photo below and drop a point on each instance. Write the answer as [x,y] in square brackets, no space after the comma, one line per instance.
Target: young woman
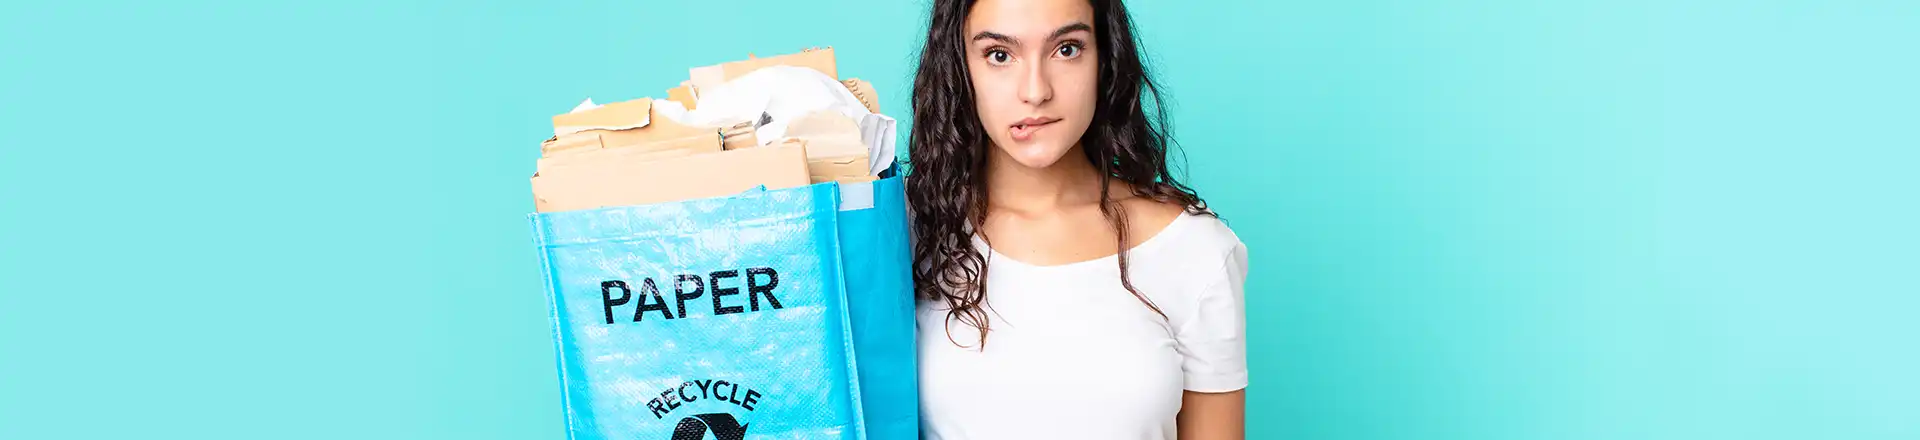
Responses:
[1039,179]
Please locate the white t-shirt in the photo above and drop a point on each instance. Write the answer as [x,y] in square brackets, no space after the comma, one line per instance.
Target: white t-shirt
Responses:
[1073,355]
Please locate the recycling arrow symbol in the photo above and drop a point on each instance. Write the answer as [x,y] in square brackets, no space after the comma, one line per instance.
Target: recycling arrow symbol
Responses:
[723,426]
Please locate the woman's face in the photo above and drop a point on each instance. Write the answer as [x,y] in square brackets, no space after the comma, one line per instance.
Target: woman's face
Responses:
[1035,72]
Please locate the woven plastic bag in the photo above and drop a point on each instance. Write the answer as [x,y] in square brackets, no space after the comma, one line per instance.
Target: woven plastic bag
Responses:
[720,317]
[739,317]
[879,276]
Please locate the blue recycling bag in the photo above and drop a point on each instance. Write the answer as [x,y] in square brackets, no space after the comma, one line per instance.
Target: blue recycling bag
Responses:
[781,314]
[879,276]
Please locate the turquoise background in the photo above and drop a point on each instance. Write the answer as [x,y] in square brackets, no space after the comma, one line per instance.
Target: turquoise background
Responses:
[1470,219]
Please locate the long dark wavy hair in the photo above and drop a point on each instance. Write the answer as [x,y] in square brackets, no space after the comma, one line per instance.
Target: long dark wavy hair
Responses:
[947,156]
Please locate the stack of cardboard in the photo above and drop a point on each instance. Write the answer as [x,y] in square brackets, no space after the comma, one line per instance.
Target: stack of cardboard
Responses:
[627,153]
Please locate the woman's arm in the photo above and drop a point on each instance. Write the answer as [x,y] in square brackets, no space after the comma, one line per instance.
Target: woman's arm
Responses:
[1213,416]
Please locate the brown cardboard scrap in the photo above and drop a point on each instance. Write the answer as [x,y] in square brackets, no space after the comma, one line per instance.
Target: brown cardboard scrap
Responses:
[848,168]
[604,139]
[626,153]
[602,128]
[834,149]
[616,116]
[682,94]
[739,136]
[618,183]
[828,134]
[571,142]
[864,90]
[838,168]
[647,151]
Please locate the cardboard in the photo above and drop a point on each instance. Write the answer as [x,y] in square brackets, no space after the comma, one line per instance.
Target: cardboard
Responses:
[587,140]
[834,149]
[682,94]
[626,153]
[616,116]
[864,90]
[739,136]
[603,139]
[828,134]
[648,151]
[820,59]
[617,125]
[845,169]
[619,183]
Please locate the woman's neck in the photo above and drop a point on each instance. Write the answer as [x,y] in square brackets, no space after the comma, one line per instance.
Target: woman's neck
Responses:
[1067,182]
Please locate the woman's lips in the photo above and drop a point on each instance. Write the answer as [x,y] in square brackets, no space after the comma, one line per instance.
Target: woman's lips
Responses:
[1023,131]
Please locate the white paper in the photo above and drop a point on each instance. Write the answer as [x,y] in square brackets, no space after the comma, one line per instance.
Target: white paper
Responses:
[671,109]
[584,106]
[782,94]
[876,130]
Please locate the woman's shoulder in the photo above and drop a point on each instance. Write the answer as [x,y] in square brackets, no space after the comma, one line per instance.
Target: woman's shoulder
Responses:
[1193,257]
[1176,233]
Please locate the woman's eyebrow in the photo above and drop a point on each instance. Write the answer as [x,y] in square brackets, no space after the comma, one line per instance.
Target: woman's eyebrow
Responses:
[990,35]
[1068,29]
[1011,41]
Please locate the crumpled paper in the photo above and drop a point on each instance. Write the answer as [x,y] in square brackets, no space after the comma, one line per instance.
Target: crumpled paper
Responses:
[774,97]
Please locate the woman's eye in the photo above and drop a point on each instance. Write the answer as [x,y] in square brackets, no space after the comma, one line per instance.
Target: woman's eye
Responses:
[1070,50]
[999,57]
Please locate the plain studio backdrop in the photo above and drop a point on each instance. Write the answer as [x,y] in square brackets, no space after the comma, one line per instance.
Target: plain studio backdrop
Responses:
[1469,219]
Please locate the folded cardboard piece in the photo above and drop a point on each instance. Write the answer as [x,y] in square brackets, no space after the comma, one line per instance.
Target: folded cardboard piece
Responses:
[639,182]
[616,125]
[834,149]
[843,169]
[649,151]
[739,136]
[864,90]
[627,115]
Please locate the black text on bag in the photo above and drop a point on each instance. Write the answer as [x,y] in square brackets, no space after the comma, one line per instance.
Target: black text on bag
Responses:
[720,287]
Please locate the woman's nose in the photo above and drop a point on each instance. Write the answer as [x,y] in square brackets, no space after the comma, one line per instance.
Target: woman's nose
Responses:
[1035,87]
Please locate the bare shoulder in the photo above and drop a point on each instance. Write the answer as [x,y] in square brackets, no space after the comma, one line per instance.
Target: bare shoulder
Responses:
[1151,213]
[1205,236]
[1147,217]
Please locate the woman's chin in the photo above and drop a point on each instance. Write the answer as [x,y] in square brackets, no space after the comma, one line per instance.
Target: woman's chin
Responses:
[1036,154]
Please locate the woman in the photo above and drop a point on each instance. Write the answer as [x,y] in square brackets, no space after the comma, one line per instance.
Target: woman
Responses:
[1039,176]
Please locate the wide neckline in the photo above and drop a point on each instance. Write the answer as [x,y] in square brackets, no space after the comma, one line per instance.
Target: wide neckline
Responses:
[1148,244]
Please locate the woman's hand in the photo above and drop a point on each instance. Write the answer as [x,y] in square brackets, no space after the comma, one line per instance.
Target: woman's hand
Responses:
[1213,416]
